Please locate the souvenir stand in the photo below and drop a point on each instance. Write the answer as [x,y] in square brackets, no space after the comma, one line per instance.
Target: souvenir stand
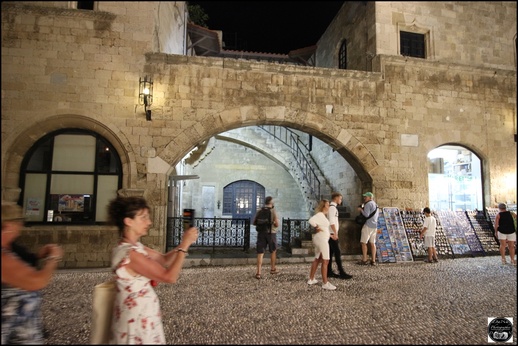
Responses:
[442,246]
[491,212]
[397,235]
[484,231]
[384,251]
[464,225]
[452,228]
[413,221]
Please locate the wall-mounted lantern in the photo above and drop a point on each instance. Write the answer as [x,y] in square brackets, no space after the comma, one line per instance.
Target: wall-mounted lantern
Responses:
[146,95]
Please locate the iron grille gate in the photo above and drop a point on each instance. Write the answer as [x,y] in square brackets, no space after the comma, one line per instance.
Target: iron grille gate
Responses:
[229,233]
[213,233]
[292,229]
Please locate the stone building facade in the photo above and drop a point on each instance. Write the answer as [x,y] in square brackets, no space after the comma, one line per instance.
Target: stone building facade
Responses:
[67,68]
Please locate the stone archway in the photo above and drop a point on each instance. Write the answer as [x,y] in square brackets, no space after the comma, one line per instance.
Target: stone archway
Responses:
[351,148]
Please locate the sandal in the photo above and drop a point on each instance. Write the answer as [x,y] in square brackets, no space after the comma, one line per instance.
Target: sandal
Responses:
[275,271]
[363,263]
[258,276]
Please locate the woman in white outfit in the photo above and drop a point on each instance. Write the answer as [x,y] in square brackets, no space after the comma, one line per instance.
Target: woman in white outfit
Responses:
[321,236]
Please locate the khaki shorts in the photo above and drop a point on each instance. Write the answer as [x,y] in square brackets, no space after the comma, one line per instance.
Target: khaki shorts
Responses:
[368,234]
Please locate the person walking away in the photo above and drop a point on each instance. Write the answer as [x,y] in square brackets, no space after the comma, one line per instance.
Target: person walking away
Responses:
[505,232]
[428,231]
[24,275]
[368,232]
[334,244]
[320,223]
[137,317]
[266,223]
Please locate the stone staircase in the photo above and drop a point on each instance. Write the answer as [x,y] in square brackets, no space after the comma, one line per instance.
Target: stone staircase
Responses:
[281,151]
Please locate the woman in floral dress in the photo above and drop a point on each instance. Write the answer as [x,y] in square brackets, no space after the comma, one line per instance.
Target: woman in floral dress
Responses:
[137,318]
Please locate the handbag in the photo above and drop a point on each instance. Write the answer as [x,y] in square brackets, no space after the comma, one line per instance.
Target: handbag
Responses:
[361,219]
[102,311]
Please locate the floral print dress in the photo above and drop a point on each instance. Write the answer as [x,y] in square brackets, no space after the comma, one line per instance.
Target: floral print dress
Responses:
[137,318]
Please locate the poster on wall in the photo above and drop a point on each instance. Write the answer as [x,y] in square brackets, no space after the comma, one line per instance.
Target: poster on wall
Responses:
[33,207]
[71,203]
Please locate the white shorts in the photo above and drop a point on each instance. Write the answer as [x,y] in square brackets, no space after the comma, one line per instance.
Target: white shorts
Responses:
[368,234]
[508,237]
[429,241]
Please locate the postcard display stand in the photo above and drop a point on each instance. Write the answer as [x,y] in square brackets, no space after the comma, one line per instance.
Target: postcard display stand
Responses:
[392,242]
[492,215]
[452,224]
[484,231]
[472,237]
[384,251]
[413,221]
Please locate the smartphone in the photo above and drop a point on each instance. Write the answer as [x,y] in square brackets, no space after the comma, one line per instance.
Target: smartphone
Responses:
[188,219]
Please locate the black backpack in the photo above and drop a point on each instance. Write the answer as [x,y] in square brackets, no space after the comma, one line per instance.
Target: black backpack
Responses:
[263,220]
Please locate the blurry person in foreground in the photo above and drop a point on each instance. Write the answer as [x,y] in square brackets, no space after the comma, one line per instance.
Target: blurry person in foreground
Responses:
[24,275]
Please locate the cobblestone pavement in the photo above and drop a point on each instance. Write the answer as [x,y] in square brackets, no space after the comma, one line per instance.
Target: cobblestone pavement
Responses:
[409,303]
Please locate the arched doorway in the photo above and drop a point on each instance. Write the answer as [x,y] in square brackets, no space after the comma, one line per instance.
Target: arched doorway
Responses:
[242,198]
[454,179]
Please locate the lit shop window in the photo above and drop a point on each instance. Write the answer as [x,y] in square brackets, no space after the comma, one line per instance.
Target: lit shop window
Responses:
[69,176]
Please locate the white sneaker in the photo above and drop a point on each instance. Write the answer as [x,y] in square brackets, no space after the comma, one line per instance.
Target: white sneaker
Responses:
[312,282]
[329,286]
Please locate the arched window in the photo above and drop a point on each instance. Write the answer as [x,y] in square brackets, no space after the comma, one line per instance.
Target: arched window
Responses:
[69,176]
[342,56]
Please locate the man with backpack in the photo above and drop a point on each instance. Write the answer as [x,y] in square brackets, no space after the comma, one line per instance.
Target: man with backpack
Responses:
[266,223]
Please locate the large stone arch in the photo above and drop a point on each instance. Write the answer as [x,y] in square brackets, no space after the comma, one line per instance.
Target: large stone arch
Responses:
[27,138]
[344,142]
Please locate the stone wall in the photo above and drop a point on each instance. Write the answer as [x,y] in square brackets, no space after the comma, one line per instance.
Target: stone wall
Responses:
[63,69]
[452,32]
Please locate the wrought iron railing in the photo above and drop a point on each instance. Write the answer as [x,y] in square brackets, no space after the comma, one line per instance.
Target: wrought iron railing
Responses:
[213,233]
[292,232]
[220,233]
[300,152]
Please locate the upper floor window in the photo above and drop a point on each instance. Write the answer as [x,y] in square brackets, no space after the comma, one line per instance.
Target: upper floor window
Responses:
[83,5]
[342,56]
[69,176]
[412,44]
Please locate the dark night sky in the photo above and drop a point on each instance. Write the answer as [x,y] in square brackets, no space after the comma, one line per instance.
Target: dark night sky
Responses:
[270,26]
